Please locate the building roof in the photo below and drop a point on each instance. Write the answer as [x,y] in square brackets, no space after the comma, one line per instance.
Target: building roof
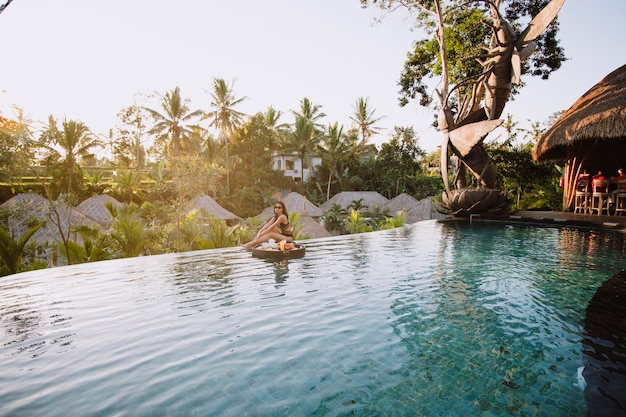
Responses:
[599,114]
[345,198]
[294,202]
[414,210]
[28,206]
[311,227]
[204,202]
[95,208]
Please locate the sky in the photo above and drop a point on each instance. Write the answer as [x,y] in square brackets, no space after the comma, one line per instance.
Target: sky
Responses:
[88,59]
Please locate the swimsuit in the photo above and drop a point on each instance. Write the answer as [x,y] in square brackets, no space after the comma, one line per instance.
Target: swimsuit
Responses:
[283,227]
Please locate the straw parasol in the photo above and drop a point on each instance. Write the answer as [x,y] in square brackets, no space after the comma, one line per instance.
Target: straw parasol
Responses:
[591,134]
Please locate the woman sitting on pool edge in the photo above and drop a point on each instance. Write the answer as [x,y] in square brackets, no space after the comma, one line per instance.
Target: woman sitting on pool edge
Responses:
[270,229]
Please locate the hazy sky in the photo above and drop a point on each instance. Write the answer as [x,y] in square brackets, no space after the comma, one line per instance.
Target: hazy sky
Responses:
[87,59]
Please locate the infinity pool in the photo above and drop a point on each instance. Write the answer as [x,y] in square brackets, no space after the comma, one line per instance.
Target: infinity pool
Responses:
[430,319]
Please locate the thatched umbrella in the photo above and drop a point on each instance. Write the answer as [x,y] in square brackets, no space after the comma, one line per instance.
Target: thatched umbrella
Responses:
[591,134]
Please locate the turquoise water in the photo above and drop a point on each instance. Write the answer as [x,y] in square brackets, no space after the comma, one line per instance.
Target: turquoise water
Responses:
[431,319]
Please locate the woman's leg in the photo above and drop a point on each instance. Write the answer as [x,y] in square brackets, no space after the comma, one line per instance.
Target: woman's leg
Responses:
[265,237]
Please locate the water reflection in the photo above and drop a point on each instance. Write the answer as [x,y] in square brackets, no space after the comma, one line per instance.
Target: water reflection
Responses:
[281,271]
[31,323]
[604,349]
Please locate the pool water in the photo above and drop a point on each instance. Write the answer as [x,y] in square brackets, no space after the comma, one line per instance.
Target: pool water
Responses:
[430,319]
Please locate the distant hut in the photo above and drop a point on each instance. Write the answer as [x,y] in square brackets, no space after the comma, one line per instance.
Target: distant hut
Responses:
[295,202]
[206,203]
[95,208]
[414,210]
[370,199]
[25,207]
[311,227]
[589,135]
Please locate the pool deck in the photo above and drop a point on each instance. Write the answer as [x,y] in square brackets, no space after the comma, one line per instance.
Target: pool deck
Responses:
[557,218]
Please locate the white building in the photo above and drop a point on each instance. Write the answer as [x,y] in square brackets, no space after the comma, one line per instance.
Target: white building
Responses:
[291,165]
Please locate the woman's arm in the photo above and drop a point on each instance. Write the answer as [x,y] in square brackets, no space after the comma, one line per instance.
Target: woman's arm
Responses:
[270,225]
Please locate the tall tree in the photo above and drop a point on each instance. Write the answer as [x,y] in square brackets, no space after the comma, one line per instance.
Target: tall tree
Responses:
[334,146]
[310,111]
[303,140]
[16,144]
[128,146]
[277,130]
[173,126]
[69,144]
[224,117]
[465,37]
[365,121]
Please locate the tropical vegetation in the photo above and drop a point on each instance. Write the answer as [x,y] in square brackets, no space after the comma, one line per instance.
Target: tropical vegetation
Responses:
[162,155]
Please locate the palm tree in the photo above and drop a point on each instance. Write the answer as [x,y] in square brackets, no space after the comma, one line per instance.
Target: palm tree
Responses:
[277,130]
[333,148]
[365,120]
[11,250]
[128,230]
[74,140]
[309,111]
[127,182]
[224,117]
[303,140]
[171,127]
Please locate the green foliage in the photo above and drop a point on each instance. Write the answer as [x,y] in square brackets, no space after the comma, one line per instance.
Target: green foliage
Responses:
[392,222]
[520,177]
[356,223]
[466,35]
[334,219]
[128,230]
[11,249]
[96,245]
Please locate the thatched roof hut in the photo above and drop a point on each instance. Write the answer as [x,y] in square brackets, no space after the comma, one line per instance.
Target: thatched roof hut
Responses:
[591,134]
[370,199]
[294,202]
[204,202]
[26,207]
[414,210]
[95,208]
[311,227]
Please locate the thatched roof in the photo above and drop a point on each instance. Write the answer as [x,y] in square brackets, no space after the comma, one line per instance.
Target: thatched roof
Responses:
[311,227]
[414,210]
[345,198]
[28,206]
[294,202]
[401,202]
[95,208]
[600,114]
[204,202]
